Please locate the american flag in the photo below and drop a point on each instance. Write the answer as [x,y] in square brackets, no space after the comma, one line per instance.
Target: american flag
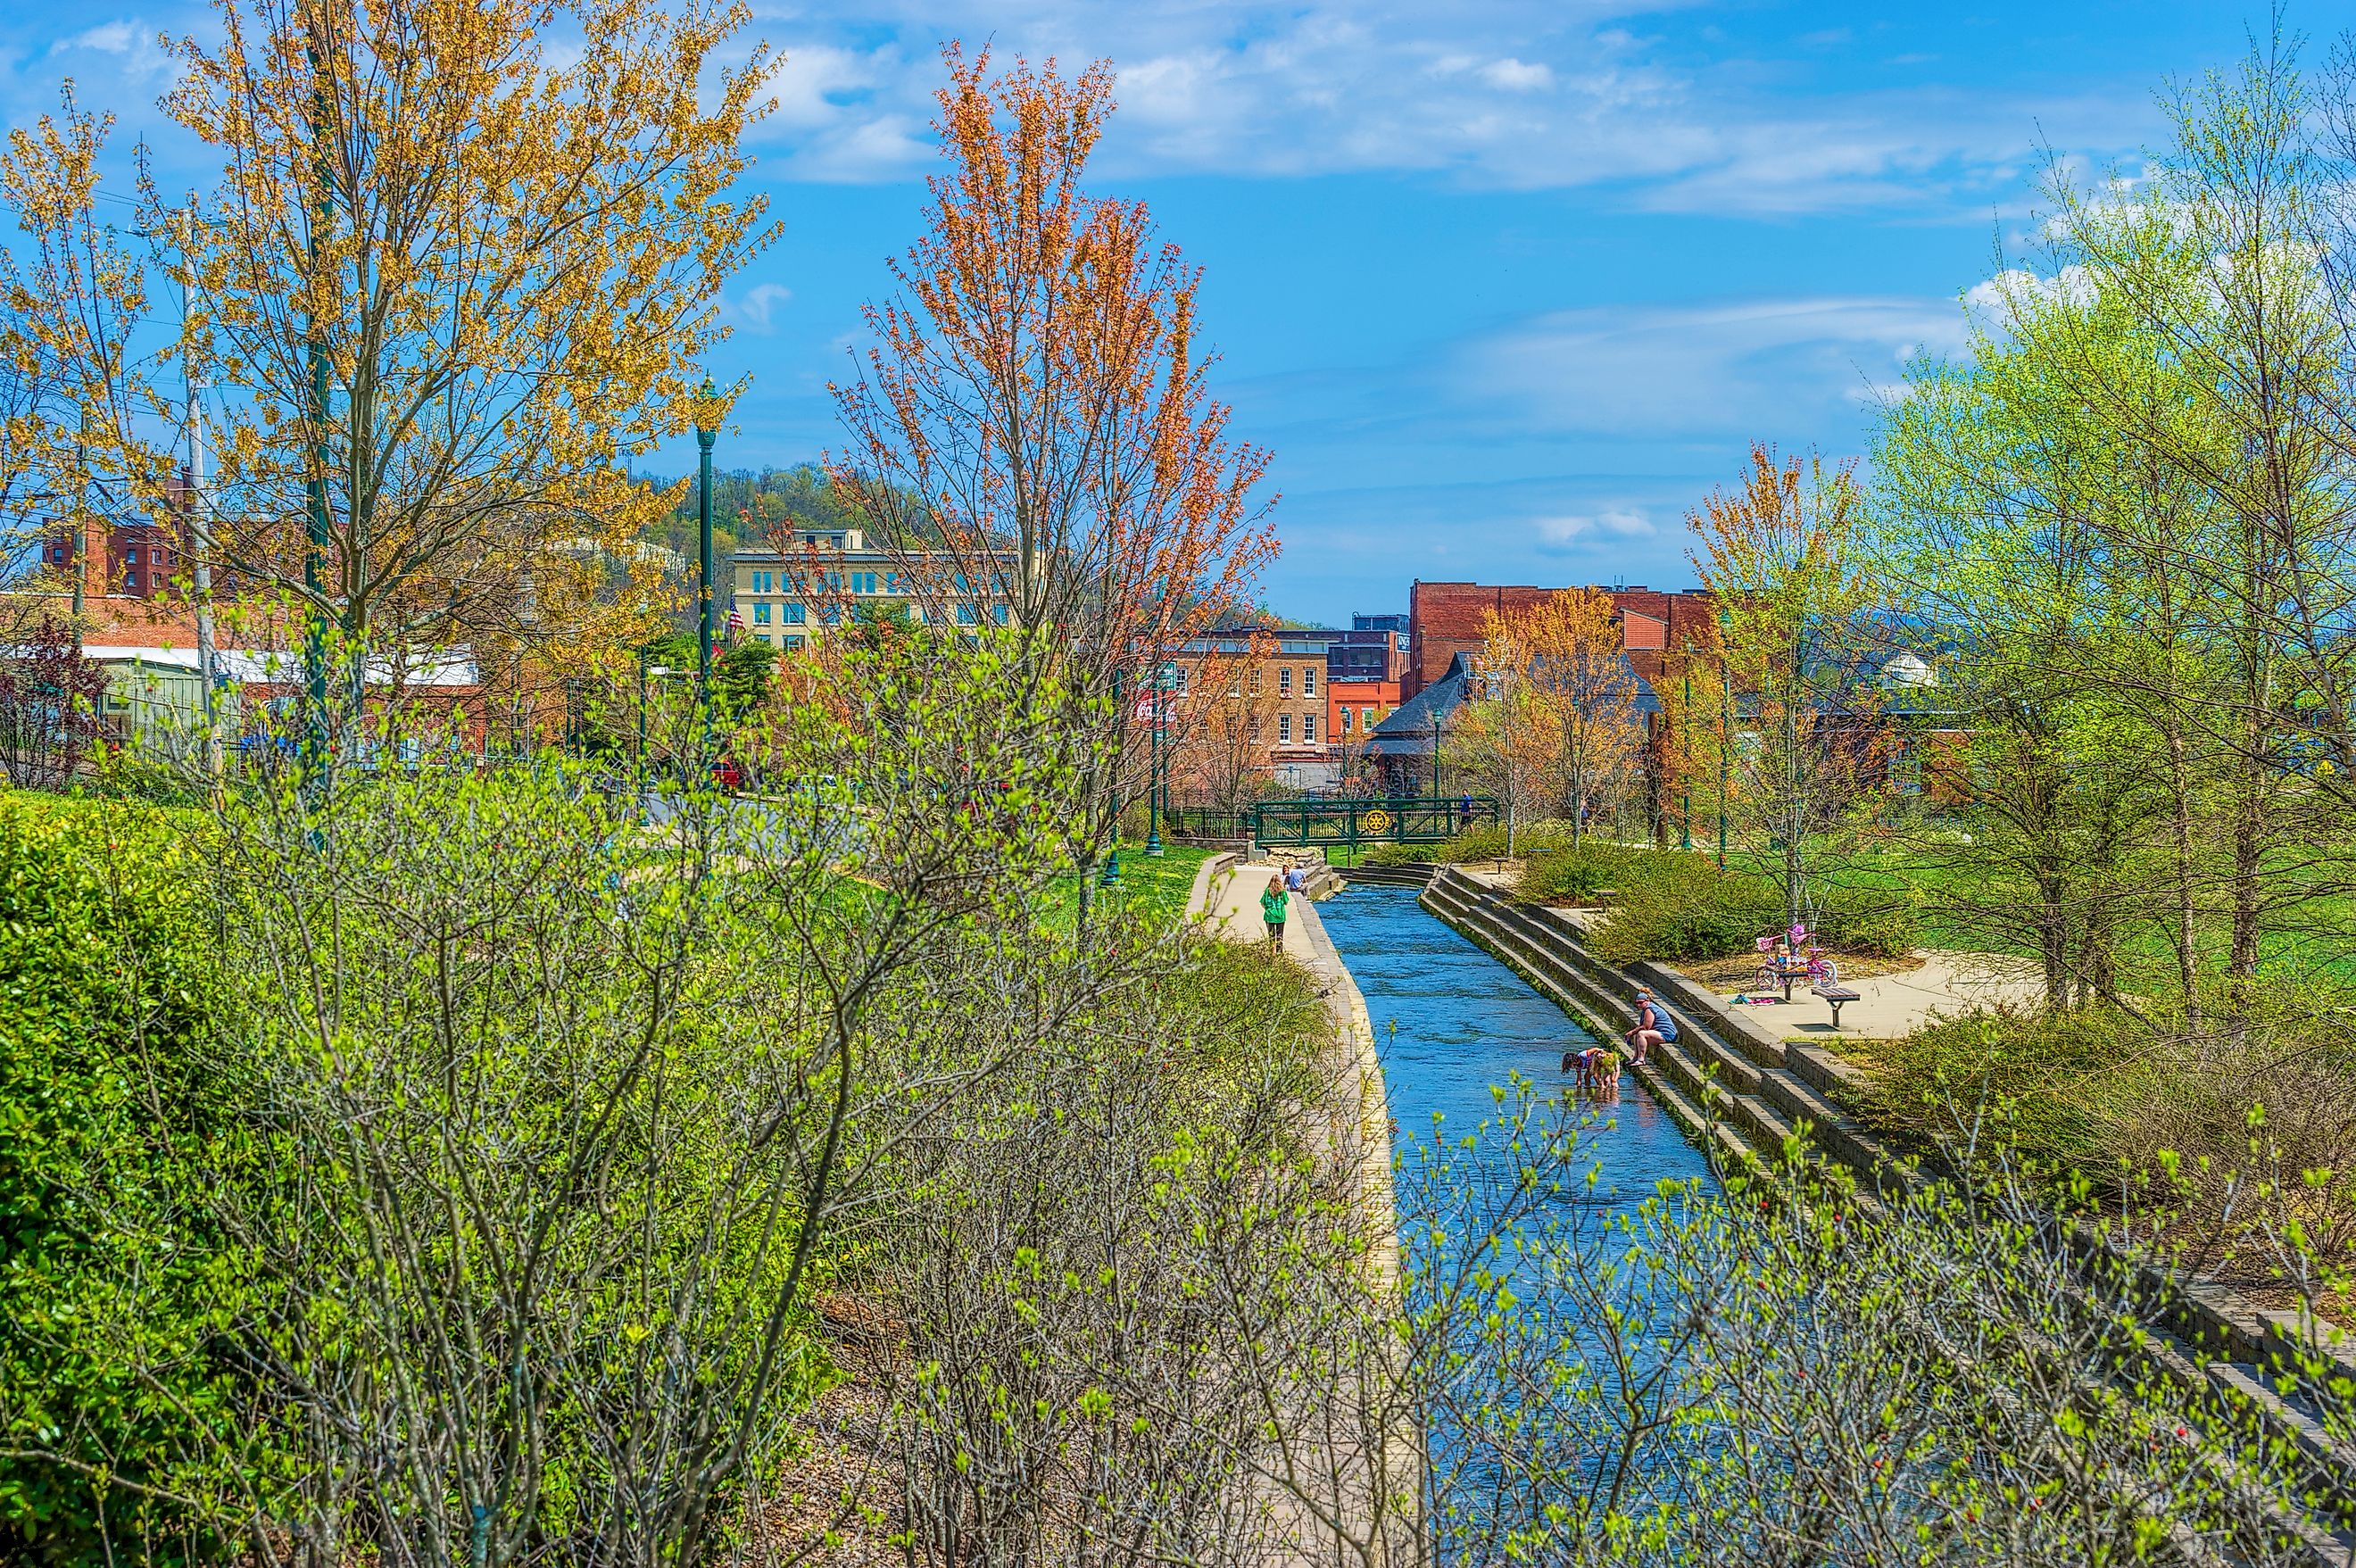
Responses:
[735,620]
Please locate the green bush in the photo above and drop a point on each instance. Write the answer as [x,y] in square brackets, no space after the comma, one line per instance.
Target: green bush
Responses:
[1576,875]
[1887,930]
[111,1293]
[2009,1065]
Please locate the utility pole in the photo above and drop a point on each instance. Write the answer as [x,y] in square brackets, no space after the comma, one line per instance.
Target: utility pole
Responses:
[200,535]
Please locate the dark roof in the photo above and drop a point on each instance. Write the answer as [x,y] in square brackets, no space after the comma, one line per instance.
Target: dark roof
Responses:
[1407,732]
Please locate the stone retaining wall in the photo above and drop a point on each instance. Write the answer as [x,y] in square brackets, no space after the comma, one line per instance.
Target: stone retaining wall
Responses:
[1736,1085]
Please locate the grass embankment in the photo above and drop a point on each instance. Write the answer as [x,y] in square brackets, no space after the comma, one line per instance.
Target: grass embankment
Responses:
[1149,887]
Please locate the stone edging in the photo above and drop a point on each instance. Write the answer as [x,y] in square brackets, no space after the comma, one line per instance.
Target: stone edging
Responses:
[1768,1088]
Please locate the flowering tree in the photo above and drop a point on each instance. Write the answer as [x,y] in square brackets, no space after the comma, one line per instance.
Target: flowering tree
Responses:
[1578,668]
[450,279]
[1776,550]
[49,697]
[1034,426]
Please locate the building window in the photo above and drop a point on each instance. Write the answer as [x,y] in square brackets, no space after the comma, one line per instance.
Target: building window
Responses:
[792,642]
[1255,682]
[1345,721]
[1283,728]
[966,615]
[862,582]
[829,615]
[1253,731]
[1309,681]
[1309,727]
[998,614]
[760,616]
[1284,682]
[792,615]
[1366,718]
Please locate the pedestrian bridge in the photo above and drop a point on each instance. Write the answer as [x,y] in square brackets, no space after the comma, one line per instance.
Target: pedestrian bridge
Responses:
[1371,820]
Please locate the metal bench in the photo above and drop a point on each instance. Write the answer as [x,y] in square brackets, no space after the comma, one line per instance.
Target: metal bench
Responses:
[1835,994]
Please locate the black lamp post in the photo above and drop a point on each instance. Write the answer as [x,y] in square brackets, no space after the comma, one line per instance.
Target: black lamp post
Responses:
[704,437]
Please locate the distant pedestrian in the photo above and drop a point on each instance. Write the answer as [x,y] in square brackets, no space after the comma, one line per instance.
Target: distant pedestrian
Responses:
[1295,879]
[1271,910]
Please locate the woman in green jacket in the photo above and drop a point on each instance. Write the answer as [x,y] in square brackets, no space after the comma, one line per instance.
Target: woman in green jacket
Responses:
[1271,910]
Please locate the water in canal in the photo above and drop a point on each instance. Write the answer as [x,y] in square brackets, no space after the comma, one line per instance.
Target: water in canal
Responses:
[1465,1022]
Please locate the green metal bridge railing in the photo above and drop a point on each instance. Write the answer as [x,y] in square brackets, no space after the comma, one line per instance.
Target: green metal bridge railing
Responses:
[1369,821]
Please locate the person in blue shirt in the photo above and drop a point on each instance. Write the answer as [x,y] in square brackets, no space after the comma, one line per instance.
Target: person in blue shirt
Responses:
[1654,1025]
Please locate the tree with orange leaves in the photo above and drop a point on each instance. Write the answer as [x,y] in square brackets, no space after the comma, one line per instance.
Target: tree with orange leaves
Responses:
[1776,550]
[1035,415]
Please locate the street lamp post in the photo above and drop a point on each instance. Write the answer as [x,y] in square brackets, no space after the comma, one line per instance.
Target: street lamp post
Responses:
[1685,770]
[1111,872]
[704,437]
[1725,733]
[1165,681]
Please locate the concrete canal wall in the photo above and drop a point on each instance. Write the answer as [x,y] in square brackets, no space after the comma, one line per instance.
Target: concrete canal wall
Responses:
[1746,1093]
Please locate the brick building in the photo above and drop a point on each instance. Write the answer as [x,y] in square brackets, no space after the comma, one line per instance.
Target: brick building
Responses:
[1444,619]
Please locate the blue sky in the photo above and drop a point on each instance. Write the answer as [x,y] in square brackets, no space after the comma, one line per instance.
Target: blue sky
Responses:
[1506,287]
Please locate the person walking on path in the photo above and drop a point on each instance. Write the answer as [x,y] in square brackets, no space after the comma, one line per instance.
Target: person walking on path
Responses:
[1271,910]
[1654,1025]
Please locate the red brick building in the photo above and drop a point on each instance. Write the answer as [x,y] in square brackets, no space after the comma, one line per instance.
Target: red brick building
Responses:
[1445,620]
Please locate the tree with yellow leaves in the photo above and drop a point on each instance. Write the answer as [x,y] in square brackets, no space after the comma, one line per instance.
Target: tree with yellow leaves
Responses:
[462,260]
[1506,735]
[1577,665]
[1806,751]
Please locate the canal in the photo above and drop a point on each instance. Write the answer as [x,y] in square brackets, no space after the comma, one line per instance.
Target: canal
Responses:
[1451,1022]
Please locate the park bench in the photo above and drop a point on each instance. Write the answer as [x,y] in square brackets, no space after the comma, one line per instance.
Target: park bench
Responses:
[1835,994]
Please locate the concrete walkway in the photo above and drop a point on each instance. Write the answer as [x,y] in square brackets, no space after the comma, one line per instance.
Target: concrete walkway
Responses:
[1946,985]
[1343,1491]
[1888,1007]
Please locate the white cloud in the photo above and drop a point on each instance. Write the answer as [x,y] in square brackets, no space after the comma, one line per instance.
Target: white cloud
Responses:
[1709,370]
[108,38]
[131,41]
[1514,76]
[1580,534]
[756,307]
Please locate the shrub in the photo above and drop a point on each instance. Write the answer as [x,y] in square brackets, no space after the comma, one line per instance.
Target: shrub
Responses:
[109,1286]
[1576,875]
[1685,908]
[2008,1062]
[1886,930]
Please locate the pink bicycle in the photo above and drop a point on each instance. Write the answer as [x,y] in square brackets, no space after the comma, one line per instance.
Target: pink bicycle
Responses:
[1779,971]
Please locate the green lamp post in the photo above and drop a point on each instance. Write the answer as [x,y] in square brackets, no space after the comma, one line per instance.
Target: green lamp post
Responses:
[1165,681]
[1110,872]
[704,437]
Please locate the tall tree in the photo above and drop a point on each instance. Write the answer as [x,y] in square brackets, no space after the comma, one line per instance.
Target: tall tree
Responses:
[1580,671]
[455,271]
[1036,414]
[1776,552]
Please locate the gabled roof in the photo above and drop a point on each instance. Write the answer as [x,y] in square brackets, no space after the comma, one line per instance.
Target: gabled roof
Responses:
[1408,731]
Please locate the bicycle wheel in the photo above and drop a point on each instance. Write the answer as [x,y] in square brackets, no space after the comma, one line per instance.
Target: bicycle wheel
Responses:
[1828,972]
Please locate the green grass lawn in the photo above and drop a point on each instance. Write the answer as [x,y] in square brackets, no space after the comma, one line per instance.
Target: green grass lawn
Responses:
[1153,888]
